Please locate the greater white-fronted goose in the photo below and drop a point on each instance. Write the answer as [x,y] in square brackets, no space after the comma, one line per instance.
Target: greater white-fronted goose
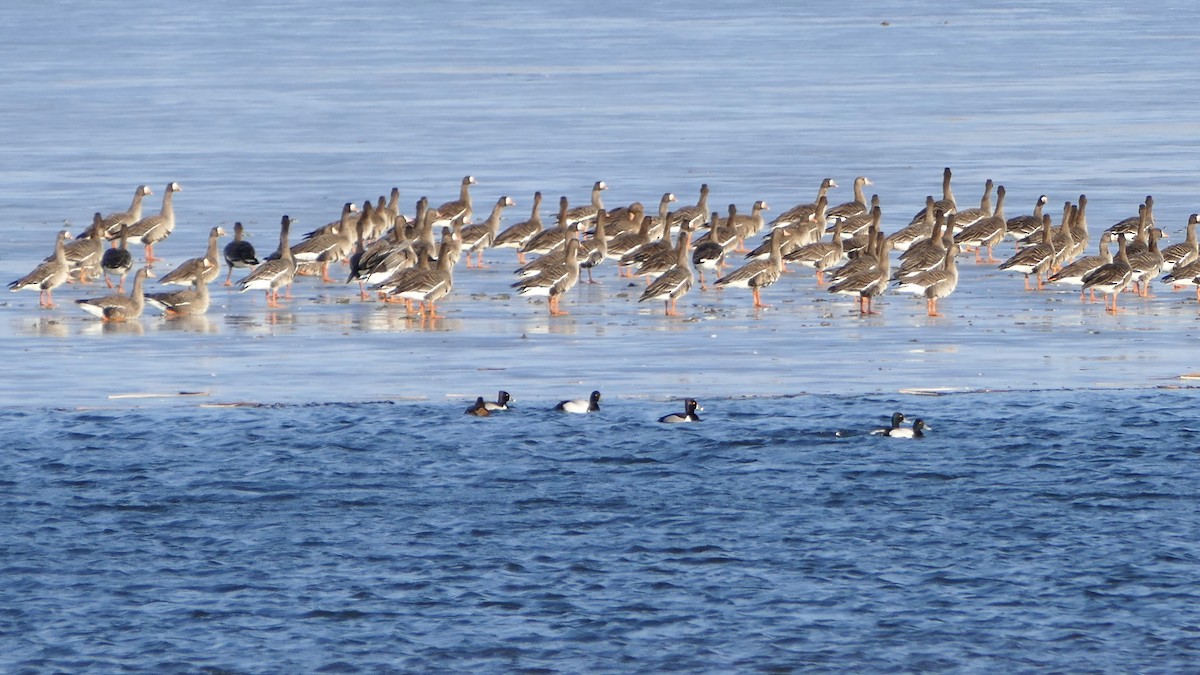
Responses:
[869,281]
[83,255]
[1035,259]
[118,307]
[1020,227]
[854,207]
[690,406]
[208,264]
[331,246]
[1146,264]
[272,275]
[516,236]
[1129,227]
[1112,278]
[1185,251]
[384,257]
[1064,239]
[858,223]
[622,244]
[239,253]
[47,276]
[861,253]
[192,301]
[117,260]
[552,260]
[934,284]
[797,235]
[549,239]
[1079,227]
[820,255]
[968,217]
[691,216]
[660,248]
[430,285]
[1074,273]
[673,282]
[581,406]
[947,204]
[987,231]
[921,230]
[458,208]
[709,252]
[346,219]
[477,237]
[748,225]
[926,254]
[1183,275]
[585,216]
[555,282]
[110,224]
[803,213]
[757,274]
[153,229]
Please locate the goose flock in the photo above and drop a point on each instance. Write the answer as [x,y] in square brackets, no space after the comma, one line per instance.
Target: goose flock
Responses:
[397,258]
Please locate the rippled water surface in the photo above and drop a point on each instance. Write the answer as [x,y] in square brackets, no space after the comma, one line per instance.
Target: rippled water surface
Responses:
[1027,531]
[339,513]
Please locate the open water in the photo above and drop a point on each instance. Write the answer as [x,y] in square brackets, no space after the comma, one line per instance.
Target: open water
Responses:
[356,521]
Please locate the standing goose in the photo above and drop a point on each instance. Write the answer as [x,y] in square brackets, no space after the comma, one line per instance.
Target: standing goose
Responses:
[1019,227]
[868,282]
[1112,278]
[987,231]
[1185,251]
[346,219]
[476,238]
[185,273]
[902,239]
[119,307]
[757,274]
[947,204]
[186,302]
[431,285]
[820,255]
[690,216]
[748,226]
[273,274]
[458,208]
[856,206]
[47,276]
[239,252]
[553,283]
[674,282]
[385,257]
[110,224]
[709,253]
[585,216]
[117,260]
[927,254]
[331,246]
[1146,265]
[934,284]
[797,235]
[516,236]
[153,229]
[547,240]
[1079,227]
[83,255]
[552,260]
[1075,272]
[864,255]
[1133,224]
[968,217]
[802,213]
[1185,274]
[858,223]
[1035,259]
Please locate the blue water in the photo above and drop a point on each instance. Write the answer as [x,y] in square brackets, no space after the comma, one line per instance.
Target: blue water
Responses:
[1029,531]
[1050,525]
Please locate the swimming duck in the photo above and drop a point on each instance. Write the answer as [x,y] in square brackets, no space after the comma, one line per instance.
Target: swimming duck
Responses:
[581,406]
[897,422]
[479,408]
[917,430]
[688,415]
[501,402]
